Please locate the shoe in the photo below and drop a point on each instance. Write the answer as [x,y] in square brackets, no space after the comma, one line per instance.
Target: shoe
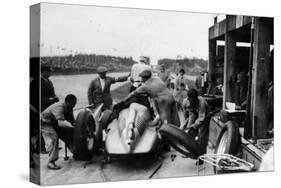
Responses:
[53,166]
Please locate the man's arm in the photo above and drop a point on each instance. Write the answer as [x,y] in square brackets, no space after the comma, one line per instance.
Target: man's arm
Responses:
[119,79]
[64,123]
[201,115]
[156,112]
[70,117]
[90,93]
[140,90]
[191,119]
[60,114]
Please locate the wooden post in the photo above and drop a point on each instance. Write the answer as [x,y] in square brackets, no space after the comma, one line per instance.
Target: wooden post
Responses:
[260,80]
[229,68]
[212,61]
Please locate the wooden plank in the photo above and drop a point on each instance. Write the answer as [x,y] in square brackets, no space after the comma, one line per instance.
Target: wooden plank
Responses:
[212,61]
[229,68]
[217,30]
[262,38]
[233,23]
[239,21]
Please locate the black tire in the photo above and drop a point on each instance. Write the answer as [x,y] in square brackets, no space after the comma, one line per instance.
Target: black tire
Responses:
[229,142]
[180,141]
[105,118]
[84,129]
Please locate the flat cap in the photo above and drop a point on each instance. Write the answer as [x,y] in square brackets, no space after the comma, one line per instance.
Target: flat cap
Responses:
[101,69]
[145,74]
[143,59]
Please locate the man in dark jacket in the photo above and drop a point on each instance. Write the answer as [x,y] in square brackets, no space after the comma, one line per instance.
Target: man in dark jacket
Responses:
[99,89]
[48,96]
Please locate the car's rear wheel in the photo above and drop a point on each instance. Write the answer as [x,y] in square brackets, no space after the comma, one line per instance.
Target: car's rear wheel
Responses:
[84,138]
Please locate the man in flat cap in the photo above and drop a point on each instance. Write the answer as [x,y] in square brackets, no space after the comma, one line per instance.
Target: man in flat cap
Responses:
[99,89]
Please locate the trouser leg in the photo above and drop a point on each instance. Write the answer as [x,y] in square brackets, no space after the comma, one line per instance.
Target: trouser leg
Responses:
[203,138]
[175,119]
[51,139]
[164,110]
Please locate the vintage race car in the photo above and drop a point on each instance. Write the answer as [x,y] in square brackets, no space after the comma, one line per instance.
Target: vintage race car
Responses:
[93,132]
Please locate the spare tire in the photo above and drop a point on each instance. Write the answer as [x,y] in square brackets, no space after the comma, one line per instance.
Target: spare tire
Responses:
[180,140]
[229,142]
[84,138]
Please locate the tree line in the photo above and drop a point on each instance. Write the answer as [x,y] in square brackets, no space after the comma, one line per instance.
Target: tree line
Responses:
[192,66]
[86,63]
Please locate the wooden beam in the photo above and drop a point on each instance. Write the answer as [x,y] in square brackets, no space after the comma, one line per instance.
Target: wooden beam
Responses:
[233,23]
[229,68]
[262,38]
[212,61]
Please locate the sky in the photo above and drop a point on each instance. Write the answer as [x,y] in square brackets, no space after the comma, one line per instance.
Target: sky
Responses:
[72,29]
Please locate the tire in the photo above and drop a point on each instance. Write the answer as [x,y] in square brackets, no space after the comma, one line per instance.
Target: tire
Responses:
[180,141]
[105,118]
[229,142]
[84,138]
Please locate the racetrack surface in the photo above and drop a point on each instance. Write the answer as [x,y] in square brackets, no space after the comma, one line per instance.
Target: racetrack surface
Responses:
[73,172]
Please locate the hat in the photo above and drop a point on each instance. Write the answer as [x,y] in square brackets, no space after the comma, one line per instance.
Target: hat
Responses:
[145,74]
[46,68]
[101,69]
[182,70]
[143,59]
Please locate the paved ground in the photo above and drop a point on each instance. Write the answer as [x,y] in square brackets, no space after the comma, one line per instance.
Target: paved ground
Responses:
[119,170]
[74,171]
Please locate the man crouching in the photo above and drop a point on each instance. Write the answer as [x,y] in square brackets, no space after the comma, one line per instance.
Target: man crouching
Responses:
[57,122]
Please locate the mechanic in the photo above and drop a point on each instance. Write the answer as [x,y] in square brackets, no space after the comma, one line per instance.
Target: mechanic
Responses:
[156,89]
[57,122]
[137,68]
[197,108]
[140,102]
[99,89]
